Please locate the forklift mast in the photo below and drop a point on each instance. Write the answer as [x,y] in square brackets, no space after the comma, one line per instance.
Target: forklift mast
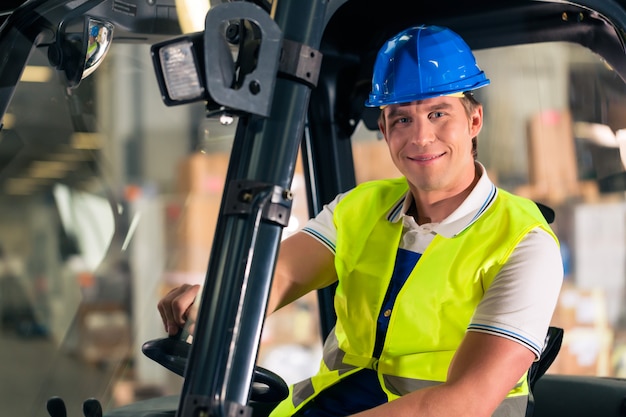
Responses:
[254,210]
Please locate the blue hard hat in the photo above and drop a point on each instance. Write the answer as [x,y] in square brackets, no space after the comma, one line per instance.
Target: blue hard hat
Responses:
[423,62]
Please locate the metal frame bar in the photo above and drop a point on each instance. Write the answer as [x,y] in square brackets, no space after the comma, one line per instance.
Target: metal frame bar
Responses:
[239,275]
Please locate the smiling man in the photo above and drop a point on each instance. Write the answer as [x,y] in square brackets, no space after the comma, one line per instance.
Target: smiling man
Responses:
[428,142]
[446,284]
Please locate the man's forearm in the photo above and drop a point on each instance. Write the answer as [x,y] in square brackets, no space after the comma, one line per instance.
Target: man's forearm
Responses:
[440,401]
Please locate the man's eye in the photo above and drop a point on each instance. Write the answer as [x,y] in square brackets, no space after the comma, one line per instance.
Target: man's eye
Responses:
[436,114]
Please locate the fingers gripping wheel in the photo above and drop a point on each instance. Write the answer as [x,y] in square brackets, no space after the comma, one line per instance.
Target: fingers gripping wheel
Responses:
[172,353]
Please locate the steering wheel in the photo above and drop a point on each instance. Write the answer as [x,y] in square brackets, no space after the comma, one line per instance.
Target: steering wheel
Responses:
[172,353]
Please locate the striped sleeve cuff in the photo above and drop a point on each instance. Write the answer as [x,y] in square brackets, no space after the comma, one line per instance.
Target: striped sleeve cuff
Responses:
[502,332]
[312,232]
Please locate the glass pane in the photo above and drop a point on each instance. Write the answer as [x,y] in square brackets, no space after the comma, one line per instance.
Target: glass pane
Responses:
[109,199]
[83,208]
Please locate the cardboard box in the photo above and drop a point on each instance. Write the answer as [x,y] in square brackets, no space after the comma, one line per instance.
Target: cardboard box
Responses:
[191,216]
[202,173]
[551,155]
[588,339]
[585,351]
[296,323]
[104,333]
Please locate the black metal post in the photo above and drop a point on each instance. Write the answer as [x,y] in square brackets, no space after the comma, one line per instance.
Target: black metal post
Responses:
[234,298]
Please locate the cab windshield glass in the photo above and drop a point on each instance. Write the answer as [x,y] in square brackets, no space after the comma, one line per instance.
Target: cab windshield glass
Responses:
[109,199]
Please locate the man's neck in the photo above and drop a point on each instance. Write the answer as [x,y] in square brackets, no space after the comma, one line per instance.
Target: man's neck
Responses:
[435,206]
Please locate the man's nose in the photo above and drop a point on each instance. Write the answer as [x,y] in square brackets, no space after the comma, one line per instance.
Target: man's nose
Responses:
[423,133]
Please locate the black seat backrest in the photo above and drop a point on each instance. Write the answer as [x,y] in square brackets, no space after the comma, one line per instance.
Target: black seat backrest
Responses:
[554,339]
[551,348]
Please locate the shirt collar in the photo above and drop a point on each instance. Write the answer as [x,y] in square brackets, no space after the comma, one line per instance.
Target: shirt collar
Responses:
[476,203]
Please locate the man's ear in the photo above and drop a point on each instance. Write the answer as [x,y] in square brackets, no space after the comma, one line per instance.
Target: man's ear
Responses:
[381,125]
[476,121]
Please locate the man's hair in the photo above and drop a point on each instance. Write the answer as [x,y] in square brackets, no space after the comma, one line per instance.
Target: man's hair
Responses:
[470,104]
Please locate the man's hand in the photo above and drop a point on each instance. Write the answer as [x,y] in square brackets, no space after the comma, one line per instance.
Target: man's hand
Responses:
[175,307]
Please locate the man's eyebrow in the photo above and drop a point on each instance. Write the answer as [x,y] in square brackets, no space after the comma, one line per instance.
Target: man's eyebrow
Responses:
[440,106]
[399,110]
[395,112]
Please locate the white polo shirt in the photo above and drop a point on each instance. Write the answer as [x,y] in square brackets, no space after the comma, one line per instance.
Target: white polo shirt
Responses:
[520,302]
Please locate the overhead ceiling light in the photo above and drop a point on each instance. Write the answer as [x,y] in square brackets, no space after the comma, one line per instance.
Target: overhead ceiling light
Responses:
[23,186]
[36,74]
[8,121]
[71,156]
[65,152]
[85,140]
[49,169]
[191,14]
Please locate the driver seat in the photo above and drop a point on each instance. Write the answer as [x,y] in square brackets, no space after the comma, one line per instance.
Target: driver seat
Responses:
[554,339]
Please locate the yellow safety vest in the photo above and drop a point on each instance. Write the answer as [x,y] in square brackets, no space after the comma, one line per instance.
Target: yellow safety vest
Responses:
[434,307]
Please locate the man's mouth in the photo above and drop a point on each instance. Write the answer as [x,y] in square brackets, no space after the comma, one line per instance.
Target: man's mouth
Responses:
[425,158]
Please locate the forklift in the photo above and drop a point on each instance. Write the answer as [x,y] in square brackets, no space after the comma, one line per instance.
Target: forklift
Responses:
[296,75]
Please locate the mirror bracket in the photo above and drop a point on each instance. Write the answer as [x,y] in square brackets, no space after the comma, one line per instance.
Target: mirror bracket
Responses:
[257,87]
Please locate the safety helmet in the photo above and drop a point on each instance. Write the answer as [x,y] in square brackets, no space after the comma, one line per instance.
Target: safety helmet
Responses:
[423,62]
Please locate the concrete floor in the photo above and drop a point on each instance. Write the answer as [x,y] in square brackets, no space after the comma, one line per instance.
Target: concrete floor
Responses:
[33,369]
[93,362]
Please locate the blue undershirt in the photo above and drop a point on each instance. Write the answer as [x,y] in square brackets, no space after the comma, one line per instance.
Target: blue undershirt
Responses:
[405,263]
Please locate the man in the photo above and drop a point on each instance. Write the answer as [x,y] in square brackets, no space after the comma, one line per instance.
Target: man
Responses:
[446,284]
